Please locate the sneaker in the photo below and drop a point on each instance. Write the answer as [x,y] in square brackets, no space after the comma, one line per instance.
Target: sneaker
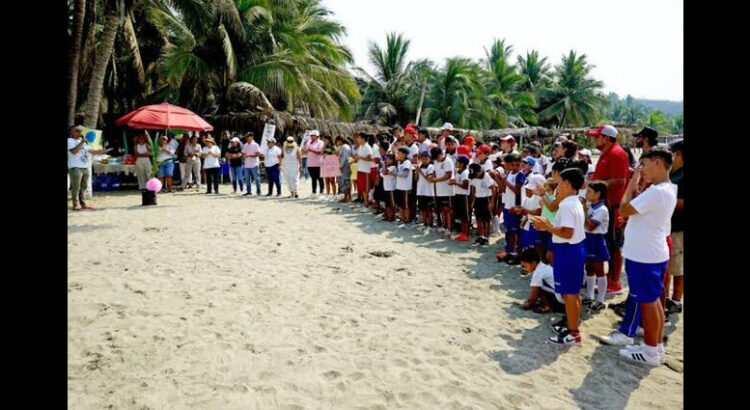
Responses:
[667,322]
[561,323]
[587,301]
[617,338]
[597,306]
[513,260]
[638,354]
[660,350]
[560,328]
[673,307]
[249,193]
[615,289]
[567,338]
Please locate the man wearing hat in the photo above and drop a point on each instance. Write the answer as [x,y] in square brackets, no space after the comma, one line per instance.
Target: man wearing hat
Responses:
[211,154]
[251,153]
[613,168]
[646,138]
[508,145]
[445,132]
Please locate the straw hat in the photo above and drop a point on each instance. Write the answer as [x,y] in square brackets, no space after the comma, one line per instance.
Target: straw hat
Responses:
[210,139]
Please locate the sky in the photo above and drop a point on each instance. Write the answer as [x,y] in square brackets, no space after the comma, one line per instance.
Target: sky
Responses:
[636,45]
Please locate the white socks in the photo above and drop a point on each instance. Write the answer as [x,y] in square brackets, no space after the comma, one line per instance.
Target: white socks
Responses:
[601,283]
[590,283]
[651,350]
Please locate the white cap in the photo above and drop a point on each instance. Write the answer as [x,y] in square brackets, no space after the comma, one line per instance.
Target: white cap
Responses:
[235,139]
[271,139]
[536,181]
[609,131]
[447,126]
[585,152]
[315,132]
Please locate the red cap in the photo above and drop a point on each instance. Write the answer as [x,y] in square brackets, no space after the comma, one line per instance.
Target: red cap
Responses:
[469,140]
[410,130]
[484,149]
[463,150]
[595,132]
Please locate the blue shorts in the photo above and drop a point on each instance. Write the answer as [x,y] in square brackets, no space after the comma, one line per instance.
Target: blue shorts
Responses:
[512,222]
[568,267]
[166,169]
[530,238]
[645,280]
[596,248]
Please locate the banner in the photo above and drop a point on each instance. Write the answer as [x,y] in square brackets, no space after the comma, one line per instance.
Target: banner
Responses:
[268,132]
[329,166]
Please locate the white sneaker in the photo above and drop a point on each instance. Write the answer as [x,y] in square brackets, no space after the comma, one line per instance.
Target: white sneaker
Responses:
[638,354]
[660,350]
[617,338]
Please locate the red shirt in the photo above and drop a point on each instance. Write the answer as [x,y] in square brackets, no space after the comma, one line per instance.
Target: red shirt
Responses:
[613,164]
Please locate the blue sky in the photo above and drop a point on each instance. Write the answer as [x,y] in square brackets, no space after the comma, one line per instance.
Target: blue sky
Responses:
[636,45]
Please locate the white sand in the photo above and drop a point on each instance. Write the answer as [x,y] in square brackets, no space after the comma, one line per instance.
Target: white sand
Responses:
[228,302]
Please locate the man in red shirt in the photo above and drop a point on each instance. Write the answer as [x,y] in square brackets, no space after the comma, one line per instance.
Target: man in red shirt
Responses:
[612,168]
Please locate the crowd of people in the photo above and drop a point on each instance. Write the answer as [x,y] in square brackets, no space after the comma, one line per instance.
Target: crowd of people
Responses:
[568,222]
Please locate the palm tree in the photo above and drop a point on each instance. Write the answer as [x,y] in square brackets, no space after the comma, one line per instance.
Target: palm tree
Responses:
[115,12]
[574,98]
[535,71]
[455,94]
[384,94]
[79,11]
[511,106]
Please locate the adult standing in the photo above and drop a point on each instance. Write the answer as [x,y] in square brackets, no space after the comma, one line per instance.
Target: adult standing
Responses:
[423,137]
[613,169]
[445,132]
[78,166]
[193,163]
[142,152]
[271,160]
[676,268]
[345,152]
[251,152]
[165,159]
[508,145]
[234,155]
[314,151]
[211,154]
[291,161]
[451,144]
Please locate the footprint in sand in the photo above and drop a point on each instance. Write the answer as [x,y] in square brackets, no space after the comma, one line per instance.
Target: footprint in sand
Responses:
[332,375]
[356,376]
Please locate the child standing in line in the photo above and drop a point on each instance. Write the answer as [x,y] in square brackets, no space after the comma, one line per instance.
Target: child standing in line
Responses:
[388,176]
[425,195]
[568,235]
[514,180]
[597,221]
[461,188]
[404,176]
[443,190]
[482,195]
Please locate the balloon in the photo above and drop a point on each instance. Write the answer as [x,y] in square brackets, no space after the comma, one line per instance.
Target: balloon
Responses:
[90,137]
[153,185]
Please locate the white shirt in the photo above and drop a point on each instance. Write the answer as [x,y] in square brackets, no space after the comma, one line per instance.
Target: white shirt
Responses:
[163,155]
[272,156]
[482,186]
[487,166]
[509,197]
[591,170]
[375,154]
[192,151]
[210,161]
[389,181]
[531,204]
[363,151]
[424,187]
[601,215]
[404,175]
[81,159]
[646,232]
[413,150]
[570,215]
[173,145]
[543,277]
[460,177]
[425,146]
[442,168]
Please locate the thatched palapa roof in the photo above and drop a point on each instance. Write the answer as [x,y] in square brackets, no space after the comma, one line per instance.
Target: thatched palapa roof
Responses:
[289,124]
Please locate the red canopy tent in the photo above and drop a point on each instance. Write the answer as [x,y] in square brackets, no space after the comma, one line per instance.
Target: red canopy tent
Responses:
[165,116]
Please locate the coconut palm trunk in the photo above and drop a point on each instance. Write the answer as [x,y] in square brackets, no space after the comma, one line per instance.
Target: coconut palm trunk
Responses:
[103,55]
[75,56]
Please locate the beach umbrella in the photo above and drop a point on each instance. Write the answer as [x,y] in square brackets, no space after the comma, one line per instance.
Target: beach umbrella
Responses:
[164,116]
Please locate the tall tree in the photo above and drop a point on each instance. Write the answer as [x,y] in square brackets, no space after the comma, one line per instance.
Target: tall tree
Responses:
[79,11]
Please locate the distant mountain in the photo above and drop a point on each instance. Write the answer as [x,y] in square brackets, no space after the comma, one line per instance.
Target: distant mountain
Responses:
[666,107]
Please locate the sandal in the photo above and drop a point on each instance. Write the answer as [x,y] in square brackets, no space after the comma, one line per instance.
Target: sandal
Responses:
[88,207]
[501,255]
[543,310]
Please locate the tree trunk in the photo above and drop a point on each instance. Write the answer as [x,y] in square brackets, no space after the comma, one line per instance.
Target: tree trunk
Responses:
[103,55]
[75,56]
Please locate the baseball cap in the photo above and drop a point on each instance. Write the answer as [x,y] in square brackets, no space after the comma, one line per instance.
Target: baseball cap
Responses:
[529,160]
[424,154]
[405,150]
[464,150]
[315,132]
[648,133]
[463,159]
[410,130]
[447,126]
[508,138]
[484,149]
[469,140]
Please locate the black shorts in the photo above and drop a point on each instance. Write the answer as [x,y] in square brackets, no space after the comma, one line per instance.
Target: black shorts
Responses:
[379,192]
[402,198]
[461,209]
[444,201]
[425,202]
[482,209]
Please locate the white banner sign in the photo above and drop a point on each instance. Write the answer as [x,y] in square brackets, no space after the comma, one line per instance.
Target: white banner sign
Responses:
[268,132]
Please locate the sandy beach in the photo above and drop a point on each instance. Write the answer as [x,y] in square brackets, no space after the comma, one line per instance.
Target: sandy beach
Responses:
[234,302]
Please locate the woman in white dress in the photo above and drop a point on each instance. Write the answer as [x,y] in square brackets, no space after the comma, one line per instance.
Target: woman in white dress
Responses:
[143,159]
[291,164]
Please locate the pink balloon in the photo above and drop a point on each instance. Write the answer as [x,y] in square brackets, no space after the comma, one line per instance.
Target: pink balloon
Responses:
[153,185]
